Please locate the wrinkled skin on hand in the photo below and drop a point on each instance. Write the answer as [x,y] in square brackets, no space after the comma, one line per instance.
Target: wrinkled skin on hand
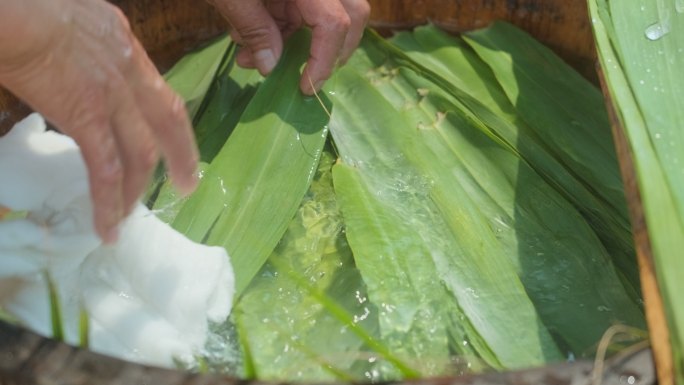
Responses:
[260,26]
[77,62]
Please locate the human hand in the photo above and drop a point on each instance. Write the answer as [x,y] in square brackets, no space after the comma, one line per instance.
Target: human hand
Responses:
[77,63]
[261,27]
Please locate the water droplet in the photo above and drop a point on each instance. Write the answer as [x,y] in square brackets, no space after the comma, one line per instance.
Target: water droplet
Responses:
[603,308]
[657,30]
[472,292]
[641,82]
[630,380]
[679,6]
[657,135]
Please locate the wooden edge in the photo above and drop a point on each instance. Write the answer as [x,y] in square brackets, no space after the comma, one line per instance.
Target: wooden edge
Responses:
[653,302]
[29,359]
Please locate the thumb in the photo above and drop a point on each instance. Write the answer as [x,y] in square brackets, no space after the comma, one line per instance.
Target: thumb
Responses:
[256,31]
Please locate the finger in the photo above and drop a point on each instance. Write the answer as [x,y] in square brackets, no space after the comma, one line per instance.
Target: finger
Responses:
[137,148]
[286,16]
[257,29]
[244,55]
[329,23]
[94,135]
[244,58]
[167,119]
[359,13]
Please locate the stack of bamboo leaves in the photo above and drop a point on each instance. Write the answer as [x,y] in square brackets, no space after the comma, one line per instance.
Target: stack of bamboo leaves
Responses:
[641,48]
[447,205]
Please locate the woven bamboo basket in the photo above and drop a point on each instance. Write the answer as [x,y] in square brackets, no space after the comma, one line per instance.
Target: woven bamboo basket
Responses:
[170,28]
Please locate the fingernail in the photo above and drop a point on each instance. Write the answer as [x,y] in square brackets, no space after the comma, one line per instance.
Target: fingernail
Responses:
[265,61]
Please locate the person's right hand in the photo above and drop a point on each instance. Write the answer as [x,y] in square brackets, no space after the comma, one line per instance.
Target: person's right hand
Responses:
[77,63]
[261,26]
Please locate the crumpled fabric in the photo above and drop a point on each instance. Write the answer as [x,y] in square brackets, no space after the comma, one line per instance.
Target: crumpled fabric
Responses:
[149,297]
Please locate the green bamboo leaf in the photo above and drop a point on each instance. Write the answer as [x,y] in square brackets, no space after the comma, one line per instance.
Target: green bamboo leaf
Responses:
[202,79]
[83,329]
[168,202]
[255,184]
[249,371]
[455,61]
[394,260]
[313,275]
[508,201]
[192,76]
[533,76]
[55,309]
[471,275]
[352,323]
[292,332]
[226,100]
[556,247]
[641,49]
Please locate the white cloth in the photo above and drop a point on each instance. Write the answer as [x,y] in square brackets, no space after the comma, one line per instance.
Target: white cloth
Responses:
[149,297]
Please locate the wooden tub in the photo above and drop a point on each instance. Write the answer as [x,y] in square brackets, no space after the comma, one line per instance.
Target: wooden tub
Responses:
[169,28]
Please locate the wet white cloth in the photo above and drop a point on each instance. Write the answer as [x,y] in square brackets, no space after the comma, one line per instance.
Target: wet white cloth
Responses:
[149,297]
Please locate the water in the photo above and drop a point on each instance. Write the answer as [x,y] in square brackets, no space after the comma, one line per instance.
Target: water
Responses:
[661,28]
[657,30]
[679,6]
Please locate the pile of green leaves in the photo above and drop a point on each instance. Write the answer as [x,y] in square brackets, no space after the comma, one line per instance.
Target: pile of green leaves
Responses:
[464,214]
[641,48]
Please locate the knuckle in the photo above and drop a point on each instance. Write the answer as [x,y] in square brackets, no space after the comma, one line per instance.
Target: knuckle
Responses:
[179,114]
[84,113]
[254,36]
[174,115]
[120,18]
[121,38]
[115,85]
[363,11]
[108,173]
[340,23]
